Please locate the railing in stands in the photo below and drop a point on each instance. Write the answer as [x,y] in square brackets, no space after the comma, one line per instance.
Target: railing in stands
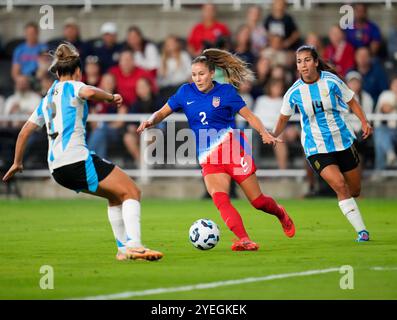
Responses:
[177,4]
[145,172]
[87,4]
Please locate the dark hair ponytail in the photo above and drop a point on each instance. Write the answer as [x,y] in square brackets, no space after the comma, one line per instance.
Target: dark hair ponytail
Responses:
[322,65]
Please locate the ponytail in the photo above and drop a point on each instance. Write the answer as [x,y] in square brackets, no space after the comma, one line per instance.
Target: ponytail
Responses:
[236,70]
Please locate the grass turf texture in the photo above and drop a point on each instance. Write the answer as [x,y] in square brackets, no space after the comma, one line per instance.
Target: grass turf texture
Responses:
[75,238]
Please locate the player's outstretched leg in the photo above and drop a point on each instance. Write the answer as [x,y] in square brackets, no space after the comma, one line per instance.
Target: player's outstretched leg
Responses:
[122,192]
[267,204]
[345,192]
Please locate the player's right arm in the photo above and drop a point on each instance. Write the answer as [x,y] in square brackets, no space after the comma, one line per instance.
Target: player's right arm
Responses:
[281,124]
[287,110]
[155,118]
[23,136]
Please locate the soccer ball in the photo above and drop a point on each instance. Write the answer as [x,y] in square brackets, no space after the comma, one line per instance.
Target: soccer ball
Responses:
[204,234]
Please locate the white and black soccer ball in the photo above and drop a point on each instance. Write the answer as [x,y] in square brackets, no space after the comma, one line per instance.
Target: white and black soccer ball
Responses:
[204,234]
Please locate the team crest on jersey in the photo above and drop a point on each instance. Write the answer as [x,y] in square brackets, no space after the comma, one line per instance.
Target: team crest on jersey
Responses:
[216,101]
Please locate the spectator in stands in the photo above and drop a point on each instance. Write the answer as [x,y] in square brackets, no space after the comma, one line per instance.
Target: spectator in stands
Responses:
[23,101]
[146,54]
[25,56]
[386,131]
[46,82]
[175,64]
[281,23]
[375,79]
[242,45]
[107,49]
[257,31]
[392,43]
[71,34]
[127,76]
[92,71]
[354,82]
[206,33]
[267,108]
[339,52]
[274,52]
[2,107]
[105,132]
[244,91]
[262,72]
[44,61]
[313,39]
[365,33]
[146,103]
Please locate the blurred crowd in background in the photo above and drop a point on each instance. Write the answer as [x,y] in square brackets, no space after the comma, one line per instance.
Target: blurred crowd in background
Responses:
[146,73]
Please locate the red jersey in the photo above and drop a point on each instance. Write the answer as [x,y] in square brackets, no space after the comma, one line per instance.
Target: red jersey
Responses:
[201,33]
[126,83]
[342,57]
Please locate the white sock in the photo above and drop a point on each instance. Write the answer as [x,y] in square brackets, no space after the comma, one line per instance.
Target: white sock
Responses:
[350,210]
[132,221]
[116,221]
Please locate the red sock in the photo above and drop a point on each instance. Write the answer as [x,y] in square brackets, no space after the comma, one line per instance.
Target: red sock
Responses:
[229,214]
[268,205]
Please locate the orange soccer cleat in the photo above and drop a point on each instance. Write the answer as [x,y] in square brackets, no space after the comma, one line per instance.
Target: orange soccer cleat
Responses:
[287,224]
[244,245]
[143,253]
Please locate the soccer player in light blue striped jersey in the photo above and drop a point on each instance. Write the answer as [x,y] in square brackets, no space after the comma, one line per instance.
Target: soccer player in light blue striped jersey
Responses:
[64,112]
[323,100]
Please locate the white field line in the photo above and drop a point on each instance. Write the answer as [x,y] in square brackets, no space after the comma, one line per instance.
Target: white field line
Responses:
[383,268]
[201,286]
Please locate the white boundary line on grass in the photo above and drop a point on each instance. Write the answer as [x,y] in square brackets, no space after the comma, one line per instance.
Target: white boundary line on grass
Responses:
[209,285]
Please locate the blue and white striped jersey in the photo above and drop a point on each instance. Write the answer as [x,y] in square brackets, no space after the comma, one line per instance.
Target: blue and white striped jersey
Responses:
[323,106]
[65,114]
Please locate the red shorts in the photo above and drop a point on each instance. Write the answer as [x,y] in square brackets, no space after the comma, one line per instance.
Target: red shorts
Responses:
[233,157]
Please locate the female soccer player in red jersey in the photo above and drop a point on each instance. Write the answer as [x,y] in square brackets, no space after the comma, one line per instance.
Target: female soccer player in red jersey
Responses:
[223,153]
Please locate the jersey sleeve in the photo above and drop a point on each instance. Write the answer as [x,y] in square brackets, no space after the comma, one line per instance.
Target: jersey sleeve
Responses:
[37,116]
[343,91]
[77,85]
[176,101]
[288,106]
[235,100]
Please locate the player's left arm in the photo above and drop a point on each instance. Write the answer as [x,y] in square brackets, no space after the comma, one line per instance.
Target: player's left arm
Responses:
[257,124]
[359,112]
[93,93]
[23,136]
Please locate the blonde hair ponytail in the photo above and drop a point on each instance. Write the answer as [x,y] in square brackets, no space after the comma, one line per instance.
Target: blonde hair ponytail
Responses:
[236,70]
[66,59]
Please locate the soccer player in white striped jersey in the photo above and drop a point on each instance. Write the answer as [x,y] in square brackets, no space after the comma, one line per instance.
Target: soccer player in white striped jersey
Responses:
[64,111]
[323,99]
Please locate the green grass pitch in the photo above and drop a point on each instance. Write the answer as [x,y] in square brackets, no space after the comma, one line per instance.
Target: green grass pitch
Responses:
[75,238]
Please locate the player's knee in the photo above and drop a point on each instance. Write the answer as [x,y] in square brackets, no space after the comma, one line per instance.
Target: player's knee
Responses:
[131,193]
[356,192]
[340,186]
